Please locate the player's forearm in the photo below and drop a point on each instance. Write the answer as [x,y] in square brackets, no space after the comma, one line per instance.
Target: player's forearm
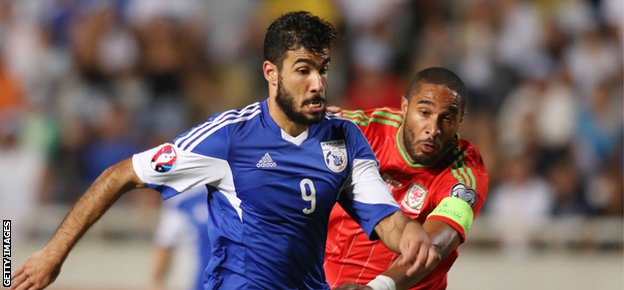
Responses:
[391,228]
[401,280]
[444,239]
[108,187]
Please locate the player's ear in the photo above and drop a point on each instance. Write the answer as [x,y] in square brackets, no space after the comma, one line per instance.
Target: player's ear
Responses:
[404,104]
[270,72]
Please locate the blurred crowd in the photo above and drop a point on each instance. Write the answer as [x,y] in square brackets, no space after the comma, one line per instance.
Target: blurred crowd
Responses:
[86,83]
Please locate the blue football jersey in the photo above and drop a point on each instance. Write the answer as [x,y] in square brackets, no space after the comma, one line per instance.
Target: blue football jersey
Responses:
[270,194]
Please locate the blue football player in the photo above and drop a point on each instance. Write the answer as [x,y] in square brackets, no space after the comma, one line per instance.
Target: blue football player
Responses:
[183,215]
[273,170]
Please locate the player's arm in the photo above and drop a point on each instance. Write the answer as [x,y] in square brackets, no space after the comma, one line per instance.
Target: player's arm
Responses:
[41,268]
[447,227]
[444,239]
[403,235]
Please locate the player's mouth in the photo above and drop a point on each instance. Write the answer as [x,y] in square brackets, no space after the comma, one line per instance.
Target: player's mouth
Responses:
[314,105]
[428,147]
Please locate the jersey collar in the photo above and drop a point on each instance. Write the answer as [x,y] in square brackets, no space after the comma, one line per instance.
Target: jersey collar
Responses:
[270,123]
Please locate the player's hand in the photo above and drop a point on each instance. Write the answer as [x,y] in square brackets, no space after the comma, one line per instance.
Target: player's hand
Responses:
[334,109]
[416,248]
[39,271]
[352,286]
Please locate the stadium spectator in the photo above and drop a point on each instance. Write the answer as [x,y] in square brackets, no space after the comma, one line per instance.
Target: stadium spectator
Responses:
[520,186]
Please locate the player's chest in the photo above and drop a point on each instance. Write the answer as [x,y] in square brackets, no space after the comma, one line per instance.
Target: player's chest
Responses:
[271,173]
[410,188]
[266,157]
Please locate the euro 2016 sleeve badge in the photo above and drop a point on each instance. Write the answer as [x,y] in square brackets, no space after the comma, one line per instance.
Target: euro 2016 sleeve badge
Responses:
[335,155]
[164,160]
[464,193]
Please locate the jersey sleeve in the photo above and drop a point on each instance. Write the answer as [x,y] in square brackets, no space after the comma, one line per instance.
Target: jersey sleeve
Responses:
[365,197]
[195,158]
[466,181]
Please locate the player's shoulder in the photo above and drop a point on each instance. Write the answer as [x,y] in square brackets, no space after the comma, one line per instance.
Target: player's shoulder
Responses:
[336,123]
[465,166]
[335,118]
[220,124]
[236,114]
[378,117]
[469,152]
[464,153]
[462,170]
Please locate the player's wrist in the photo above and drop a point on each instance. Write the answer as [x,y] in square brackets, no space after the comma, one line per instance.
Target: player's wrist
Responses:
[382,282]
[56,254]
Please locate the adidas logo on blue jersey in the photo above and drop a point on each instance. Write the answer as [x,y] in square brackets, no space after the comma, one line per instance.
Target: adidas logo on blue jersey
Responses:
[266,161]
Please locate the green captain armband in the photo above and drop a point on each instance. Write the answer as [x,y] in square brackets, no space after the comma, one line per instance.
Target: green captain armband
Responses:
[456,210]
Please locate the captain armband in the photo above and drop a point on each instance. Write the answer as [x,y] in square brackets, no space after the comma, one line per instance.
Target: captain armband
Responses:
[457,210]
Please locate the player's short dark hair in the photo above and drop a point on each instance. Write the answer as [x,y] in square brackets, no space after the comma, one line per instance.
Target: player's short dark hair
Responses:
[294,30]
[438,76]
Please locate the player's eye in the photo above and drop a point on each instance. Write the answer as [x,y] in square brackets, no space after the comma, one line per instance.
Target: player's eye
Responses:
[303,71]
[324,70]
[448,118]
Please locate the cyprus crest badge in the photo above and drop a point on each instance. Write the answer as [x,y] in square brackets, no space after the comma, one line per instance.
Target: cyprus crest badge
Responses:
[335,155]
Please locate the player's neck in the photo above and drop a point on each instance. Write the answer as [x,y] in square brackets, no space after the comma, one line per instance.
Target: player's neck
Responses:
[292,128]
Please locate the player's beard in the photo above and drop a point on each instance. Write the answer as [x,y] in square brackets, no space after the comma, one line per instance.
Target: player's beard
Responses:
[409,140]
[427,160]
[286,102]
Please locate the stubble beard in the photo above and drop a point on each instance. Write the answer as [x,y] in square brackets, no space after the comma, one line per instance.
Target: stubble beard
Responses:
[286,103]
[408,142]
[426,160]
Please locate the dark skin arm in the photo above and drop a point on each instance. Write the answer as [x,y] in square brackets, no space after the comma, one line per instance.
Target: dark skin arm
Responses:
[445,239]
[407,237]
[42,267]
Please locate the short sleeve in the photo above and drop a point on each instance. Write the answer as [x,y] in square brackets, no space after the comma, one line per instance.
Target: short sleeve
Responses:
[468,182]
[171,170]
[366,198]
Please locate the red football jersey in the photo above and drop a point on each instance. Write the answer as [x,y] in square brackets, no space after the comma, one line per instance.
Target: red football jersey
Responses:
[349,254]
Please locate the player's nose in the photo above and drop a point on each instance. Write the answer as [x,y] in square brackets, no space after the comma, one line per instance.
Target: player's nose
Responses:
[317,83]
[433,128]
